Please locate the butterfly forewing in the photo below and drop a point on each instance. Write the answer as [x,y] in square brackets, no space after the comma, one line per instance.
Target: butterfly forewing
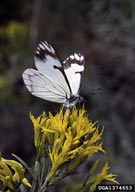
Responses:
[48,63]
[74,67]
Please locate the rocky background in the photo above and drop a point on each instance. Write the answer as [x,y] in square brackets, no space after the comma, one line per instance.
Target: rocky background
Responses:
[104,31]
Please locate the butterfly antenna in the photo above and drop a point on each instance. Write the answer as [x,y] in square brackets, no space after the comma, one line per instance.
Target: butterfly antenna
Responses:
[95,90]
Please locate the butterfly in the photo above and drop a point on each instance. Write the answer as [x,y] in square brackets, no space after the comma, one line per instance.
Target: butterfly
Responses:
[55,80]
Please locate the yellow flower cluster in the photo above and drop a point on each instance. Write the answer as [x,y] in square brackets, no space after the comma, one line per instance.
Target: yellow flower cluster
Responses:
[12,174]
[68,137]
[63,142]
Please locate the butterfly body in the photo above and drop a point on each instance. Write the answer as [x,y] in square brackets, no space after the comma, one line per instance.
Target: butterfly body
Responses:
[55,80]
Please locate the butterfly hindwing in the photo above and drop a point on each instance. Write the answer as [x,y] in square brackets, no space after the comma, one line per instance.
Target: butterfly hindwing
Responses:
[41,86]
[74,67]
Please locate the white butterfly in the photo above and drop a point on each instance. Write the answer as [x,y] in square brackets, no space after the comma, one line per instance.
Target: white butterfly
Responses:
[55,80]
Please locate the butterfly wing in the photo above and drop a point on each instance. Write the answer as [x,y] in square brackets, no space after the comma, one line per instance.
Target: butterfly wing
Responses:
[49,81]
[74,67]
[43,87]
[48,63]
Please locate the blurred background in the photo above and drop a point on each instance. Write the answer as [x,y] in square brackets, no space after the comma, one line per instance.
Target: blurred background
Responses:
[104,31]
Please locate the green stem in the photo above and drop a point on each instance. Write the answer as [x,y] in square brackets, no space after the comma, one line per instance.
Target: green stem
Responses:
[35,180]
[45,185]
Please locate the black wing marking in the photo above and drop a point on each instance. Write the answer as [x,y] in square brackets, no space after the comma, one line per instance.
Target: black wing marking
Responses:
[76,58]
[45,49]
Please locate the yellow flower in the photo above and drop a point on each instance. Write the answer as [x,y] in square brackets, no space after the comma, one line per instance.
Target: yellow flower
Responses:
[12,172]
[63,142]
[67,137]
